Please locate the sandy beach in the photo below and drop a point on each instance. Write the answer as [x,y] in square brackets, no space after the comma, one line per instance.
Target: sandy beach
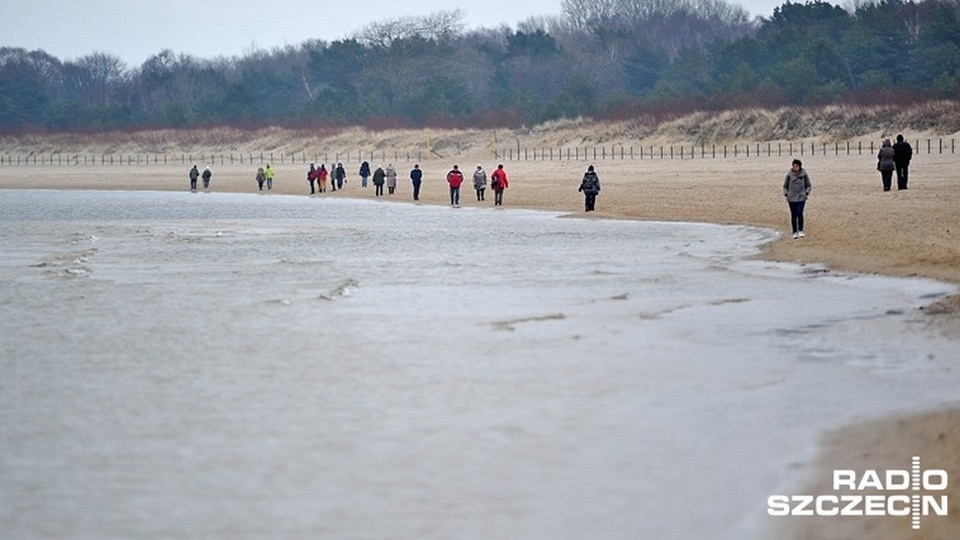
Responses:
[851,225]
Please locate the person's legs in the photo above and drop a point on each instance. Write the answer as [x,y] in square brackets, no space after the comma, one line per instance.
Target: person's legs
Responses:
[800,206]
[796,218]
[905,171]
[887,178]
[416,191]
[794,226]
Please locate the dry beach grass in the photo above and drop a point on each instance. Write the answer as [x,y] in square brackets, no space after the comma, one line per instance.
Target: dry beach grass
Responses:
[851,224]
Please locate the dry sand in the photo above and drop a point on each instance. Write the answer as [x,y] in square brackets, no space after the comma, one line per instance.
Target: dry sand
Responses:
[851,225]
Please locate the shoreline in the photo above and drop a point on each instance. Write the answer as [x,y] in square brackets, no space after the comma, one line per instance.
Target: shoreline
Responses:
[852,226]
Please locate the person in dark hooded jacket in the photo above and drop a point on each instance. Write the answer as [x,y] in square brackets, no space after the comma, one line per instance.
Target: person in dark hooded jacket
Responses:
[590,187]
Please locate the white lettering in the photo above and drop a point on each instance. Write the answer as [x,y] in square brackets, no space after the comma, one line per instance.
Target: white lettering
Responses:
[894,510]
[801,508]
[894,476]
[778,505]
[834,508]
[875,505]
[935,473]
[852,502]
[929,501]
[870,480]
[844,478]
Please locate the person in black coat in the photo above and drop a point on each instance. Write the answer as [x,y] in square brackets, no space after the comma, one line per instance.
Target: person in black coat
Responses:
[590,187]
[902,154]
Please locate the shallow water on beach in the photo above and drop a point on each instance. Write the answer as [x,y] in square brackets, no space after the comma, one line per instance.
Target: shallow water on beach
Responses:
[218,365]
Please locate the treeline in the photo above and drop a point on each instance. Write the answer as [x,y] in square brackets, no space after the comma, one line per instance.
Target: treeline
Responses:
[599,58]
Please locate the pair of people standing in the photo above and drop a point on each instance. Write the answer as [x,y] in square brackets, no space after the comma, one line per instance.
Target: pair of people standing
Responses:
[381,177]
[318,175]
[195,173]
[894,158]
[265,175]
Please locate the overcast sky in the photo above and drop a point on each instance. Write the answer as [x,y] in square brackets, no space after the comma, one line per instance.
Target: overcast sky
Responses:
[137,29]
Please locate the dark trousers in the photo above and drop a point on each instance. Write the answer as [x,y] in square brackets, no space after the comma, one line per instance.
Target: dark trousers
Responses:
[902,176]
[312,187]
[589,201]
[498,197]
[193,184]
[796,215]
[416,190]
[379,191]
[480,193]
[455,195]
[887,178]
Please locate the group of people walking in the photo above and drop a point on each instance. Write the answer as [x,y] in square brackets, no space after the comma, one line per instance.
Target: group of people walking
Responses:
[195,174]
[317,177]
[891,158]
[894,158]
[498,183]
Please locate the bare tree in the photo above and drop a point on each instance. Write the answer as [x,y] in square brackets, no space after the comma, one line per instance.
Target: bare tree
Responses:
[440,26]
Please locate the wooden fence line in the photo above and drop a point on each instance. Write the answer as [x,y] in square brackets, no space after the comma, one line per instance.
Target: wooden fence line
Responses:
[577,153]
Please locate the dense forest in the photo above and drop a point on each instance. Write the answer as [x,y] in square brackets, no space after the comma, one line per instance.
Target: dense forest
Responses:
[599,58]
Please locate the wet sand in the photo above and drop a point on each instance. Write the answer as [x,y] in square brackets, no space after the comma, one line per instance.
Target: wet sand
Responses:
[851,225]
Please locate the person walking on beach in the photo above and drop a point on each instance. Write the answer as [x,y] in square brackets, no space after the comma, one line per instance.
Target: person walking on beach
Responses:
[480,182]
[590,187]
[312,178]
[269,174]
[416,177]
[206,178]
[194,174]
[364,173]
[902,154]
[796,188]
[261,177]
[378,180]
[498,181]
[339,177]
[455,179]
[886,164]
[322,178]
[391,179]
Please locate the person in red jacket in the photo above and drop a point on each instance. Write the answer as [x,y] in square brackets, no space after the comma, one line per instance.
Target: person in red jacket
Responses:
[498,181]
[455,178]
[322,178]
